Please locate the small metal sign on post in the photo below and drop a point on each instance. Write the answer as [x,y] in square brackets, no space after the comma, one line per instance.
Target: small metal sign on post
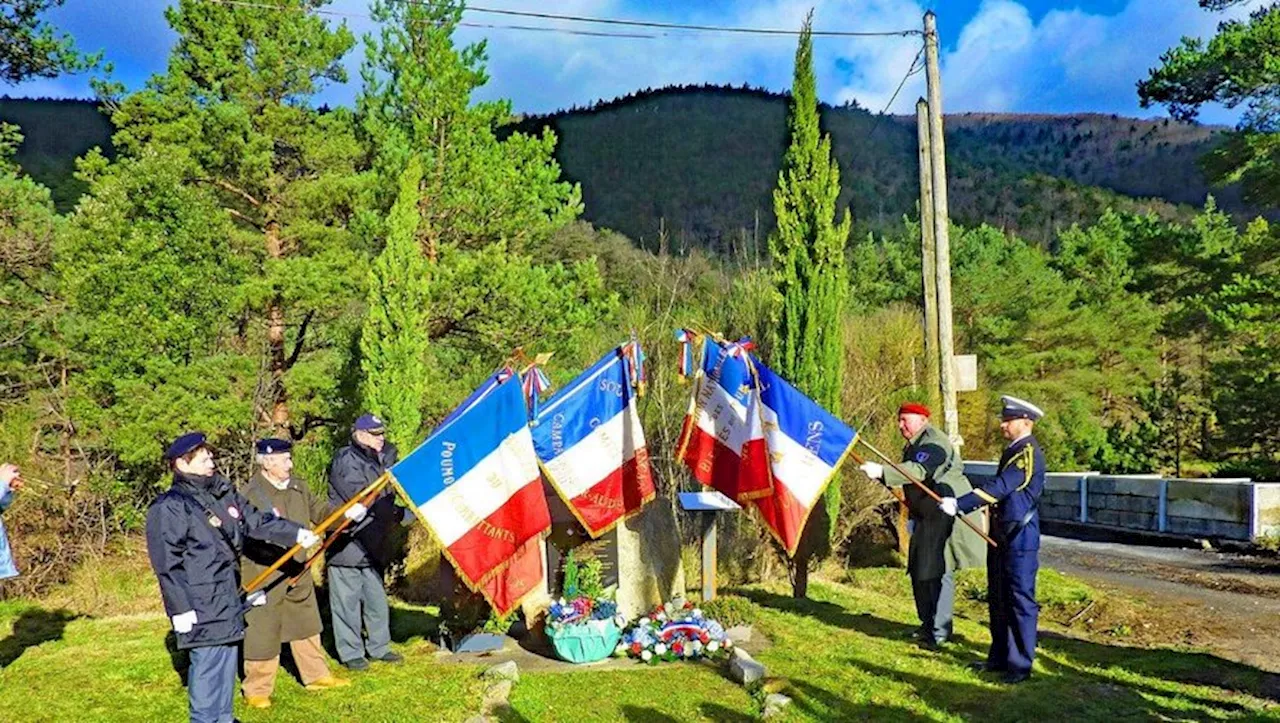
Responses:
[966,368]
[708,504]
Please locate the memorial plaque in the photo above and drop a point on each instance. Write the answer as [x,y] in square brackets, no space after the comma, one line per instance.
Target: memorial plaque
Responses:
[604,549]
[568,534]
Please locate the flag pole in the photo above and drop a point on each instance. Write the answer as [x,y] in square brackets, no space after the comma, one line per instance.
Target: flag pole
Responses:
[374,486]
[333,537]
[911,478]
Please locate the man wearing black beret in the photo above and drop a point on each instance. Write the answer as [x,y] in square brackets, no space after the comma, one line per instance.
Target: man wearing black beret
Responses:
[195,533]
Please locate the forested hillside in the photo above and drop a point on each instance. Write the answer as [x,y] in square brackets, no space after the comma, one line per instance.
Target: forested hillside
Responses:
[55,134]
[702,163]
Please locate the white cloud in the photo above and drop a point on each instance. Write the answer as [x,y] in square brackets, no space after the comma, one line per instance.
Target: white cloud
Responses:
[1070,60]
[1003,58]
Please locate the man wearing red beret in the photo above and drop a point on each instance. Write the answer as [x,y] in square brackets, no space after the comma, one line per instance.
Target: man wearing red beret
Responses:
[938,546]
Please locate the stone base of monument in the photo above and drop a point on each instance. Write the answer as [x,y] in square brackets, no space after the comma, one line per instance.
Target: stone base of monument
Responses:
[640,558]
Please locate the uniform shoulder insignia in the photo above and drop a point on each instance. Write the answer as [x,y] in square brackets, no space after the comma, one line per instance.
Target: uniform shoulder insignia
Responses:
[1027,463]
[922,456]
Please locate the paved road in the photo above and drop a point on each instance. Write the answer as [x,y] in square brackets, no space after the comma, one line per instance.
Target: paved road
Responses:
[1230,602]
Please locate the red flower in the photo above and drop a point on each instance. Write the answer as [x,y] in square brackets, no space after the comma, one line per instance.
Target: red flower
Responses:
[704,637]
[635,648]
[678,648]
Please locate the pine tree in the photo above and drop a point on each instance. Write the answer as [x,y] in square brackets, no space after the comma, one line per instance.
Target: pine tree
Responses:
[33,48]
[476,188]
[808,251]
[393,340]
[487,201]
[238,98]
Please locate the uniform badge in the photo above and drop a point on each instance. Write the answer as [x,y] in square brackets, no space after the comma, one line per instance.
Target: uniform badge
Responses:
[215,520]
[922,457]
[235,514]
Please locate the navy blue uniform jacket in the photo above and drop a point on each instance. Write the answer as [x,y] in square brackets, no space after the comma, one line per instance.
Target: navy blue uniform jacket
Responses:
[368,543]
[1014,494]
[195,534]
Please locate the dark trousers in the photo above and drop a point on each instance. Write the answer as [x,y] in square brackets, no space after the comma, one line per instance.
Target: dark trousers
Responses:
[356,596]
[1011,601]
[211,683]
[935,603]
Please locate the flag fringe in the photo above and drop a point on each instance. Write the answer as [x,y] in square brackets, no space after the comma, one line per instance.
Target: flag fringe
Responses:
[596,533]
[476,586]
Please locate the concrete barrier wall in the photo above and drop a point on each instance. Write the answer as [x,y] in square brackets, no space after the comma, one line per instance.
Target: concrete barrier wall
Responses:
[1232,509]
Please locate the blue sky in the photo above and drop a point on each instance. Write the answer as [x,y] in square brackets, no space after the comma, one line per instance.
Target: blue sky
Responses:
[1047,56]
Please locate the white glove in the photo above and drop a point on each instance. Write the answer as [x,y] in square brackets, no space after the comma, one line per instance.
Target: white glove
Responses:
[257,598]
[874,470]
[307,538]
[949,506]
[356,512]
[184,622]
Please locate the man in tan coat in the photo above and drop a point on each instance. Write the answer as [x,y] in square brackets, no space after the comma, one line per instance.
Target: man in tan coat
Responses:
[288,615]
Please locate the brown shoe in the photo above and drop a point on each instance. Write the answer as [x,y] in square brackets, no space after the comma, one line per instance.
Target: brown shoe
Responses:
[327,682]
[257,701]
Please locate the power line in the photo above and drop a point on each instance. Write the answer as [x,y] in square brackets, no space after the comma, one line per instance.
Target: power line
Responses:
[491,26]
[566,31]
[915,67]
[683,26]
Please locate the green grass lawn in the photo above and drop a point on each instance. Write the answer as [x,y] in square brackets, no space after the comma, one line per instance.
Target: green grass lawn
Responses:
[842,655]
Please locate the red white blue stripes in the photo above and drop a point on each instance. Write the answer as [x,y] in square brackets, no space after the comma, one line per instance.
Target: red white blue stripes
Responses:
[718,428]
[757,439]
[591,445]
[475,483]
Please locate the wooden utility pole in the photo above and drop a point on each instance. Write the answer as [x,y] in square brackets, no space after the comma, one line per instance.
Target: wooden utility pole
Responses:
[928,249]
[942,237]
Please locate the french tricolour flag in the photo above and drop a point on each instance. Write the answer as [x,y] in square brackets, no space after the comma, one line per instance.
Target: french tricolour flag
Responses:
[591,445]
[806,445]
[721,442]
[475,483]
[757,439]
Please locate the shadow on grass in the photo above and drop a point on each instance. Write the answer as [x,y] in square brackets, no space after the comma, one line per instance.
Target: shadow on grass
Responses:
[1076,679]
[828,613]
[722,714]
[636,714]
[1185,668]
[1057,692]
[511,715]
[34,626]
[960,648]
[831,706]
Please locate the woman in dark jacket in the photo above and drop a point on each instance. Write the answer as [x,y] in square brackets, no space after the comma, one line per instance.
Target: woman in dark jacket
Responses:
[195,533]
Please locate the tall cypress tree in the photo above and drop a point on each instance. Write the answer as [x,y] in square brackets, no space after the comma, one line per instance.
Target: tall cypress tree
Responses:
[393,340]
[809,267]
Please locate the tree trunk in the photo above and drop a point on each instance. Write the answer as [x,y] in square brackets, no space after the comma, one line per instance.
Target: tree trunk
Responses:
[278,362]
